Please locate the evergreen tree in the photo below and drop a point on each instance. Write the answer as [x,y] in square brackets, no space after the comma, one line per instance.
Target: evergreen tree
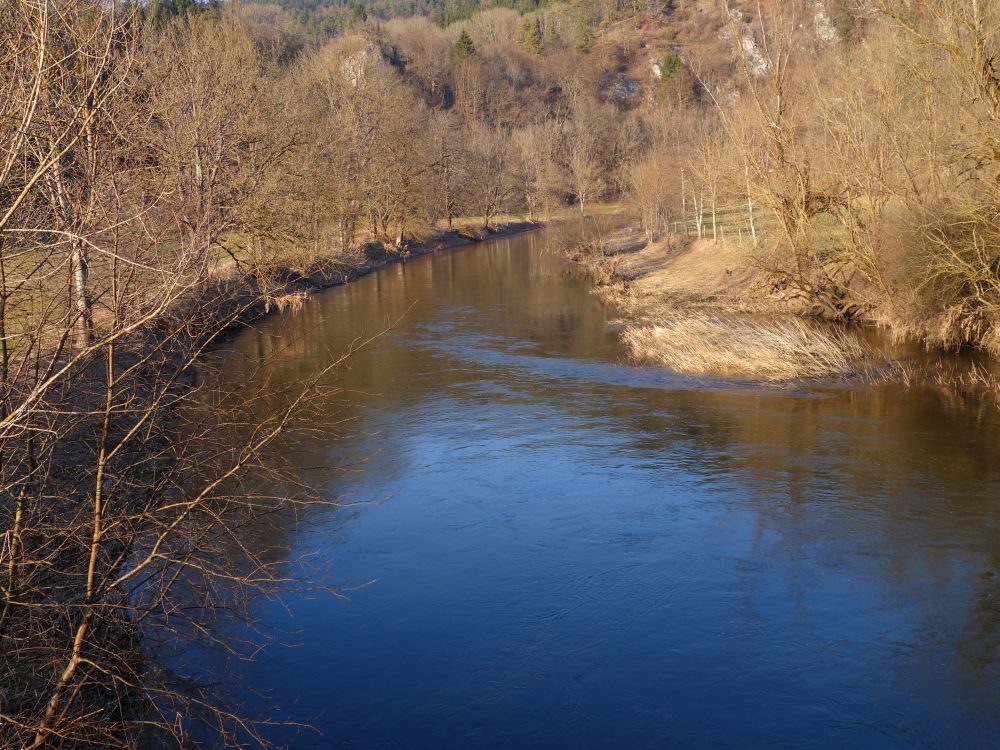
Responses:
[529,37]
[158,13]
[676,82]
[583,36]
[213,11]
[358,14]
[671,64]
[464,47]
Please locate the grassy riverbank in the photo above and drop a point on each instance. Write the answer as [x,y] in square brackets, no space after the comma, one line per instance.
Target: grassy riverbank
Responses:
[700,306]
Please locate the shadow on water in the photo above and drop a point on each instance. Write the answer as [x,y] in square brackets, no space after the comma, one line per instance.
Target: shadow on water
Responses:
[571,551]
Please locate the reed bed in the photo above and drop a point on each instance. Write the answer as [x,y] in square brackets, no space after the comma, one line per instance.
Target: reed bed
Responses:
[772,349]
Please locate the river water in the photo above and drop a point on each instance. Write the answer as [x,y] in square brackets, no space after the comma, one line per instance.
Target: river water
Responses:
[563,550]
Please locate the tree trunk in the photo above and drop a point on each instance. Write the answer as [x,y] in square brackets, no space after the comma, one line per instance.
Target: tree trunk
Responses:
[684,205]
[81,274]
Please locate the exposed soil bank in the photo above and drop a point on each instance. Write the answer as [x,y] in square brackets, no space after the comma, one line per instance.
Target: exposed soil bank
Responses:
[375,256]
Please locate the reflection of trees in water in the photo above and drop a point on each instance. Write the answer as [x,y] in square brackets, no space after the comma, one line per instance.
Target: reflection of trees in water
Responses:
[241,552]
[897,487]
[981,639]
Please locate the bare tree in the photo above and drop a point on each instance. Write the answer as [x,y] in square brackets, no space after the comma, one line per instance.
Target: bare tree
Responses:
[220,140]
[585,173]
[543,183]
[490,173]
[772,136]
[118,491]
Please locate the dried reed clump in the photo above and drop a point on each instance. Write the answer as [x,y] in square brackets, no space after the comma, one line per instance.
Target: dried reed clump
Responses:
[975,380]
[292,301]
[734,346]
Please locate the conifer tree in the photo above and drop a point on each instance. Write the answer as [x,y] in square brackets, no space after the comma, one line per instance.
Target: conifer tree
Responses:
[529,37]
[464,47]
[583,36]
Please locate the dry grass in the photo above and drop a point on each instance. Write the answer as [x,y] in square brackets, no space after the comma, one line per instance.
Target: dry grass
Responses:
[946,375]
[739,346]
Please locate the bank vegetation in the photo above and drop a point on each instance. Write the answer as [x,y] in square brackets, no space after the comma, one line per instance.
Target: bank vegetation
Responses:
[832,161]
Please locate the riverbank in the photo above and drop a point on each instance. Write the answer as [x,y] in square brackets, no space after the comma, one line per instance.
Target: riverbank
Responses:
[703,307]
[699,307]
[231,299]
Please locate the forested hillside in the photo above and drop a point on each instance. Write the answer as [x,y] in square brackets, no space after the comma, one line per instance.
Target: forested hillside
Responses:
[327,17]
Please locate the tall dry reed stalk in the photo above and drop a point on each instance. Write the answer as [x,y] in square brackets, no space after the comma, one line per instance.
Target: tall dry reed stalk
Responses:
[733,346]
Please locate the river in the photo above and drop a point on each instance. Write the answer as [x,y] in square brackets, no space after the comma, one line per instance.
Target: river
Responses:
[543,546]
